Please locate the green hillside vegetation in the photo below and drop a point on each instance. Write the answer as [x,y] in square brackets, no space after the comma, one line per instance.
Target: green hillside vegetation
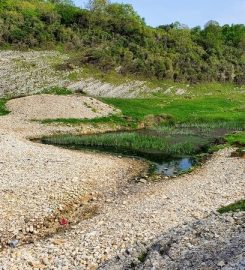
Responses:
[114,37]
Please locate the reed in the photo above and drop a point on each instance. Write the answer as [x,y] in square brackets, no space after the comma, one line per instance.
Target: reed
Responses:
[127,141]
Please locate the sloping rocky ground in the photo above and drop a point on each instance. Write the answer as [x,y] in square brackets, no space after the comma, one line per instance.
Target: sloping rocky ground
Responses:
[96,88]
[26,73]
[217,242]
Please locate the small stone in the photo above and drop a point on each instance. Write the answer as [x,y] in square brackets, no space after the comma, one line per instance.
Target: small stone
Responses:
[45,261]
[92,266]
[189,245]
[13,243]
[57,241]
[36,265]
[221,264]
[31,229]
[143,181]
[229,219]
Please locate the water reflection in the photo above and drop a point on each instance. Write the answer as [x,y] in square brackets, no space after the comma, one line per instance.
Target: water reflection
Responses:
[175,167]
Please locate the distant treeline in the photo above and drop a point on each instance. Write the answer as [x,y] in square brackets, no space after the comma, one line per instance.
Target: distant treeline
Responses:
[113,36]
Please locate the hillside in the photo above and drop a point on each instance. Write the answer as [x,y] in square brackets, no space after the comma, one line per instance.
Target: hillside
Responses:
[114,37]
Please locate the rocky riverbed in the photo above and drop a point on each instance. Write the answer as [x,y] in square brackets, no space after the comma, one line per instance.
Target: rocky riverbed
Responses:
[63,209]
[69,210]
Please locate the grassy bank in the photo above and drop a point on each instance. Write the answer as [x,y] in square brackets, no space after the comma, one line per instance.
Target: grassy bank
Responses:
[200,103]
[202,108]
[173,115]
[220,111]
[236,139]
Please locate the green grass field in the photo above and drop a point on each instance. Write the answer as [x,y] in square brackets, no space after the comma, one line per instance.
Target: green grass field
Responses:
[199,109]
[210,110]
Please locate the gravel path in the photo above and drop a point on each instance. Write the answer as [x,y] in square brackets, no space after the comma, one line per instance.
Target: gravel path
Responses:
[36,181]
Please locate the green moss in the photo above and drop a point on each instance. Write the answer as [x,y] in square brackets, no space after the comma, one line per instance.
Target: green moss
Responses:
[3,109]
[234,207]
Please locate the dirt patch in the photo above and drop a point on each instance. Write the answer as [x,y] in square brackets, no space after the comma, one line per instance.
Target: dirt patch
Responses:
[51,107]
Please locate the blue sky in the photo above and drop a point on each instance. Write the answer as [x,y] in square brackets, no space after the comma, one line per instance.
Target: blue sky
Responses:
[190,12]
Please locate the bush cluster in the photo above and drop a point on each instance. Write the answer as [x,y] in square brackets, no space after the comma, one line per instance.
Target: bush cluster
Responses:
[113,36]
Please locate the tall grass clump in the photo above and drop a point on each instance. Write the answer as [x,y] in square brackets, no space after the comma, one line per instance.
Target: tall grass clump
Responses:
[127,141]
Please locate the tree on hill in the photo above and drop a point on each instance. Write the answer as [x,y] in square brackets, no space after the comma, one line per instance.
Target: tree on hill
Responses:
[64,2]
[97,4]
